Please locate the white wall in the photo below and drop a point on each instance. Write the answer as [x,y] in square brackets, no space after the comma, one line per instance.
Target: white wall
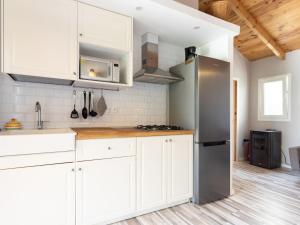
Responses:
[241,73]
[269,67]
[217,49]
[142,104]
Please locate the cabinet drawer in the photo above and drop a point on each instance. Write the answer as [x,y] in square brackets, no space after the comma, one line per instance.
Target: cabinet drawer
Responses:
[38,143]
[17,161]
[105,148]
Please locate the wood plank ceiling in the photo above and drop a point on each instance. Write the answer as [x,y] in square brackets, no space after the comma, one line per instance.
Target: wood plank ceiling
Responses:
[280,18]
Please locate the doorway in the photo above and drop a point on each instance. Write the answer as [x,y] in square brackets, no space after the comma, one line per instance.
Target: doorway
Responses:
[235,115]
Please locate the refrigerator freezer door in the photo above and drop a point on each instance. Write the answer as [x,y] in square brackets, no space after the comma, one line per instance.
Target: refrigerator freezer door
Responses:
[211,173]
[213,100]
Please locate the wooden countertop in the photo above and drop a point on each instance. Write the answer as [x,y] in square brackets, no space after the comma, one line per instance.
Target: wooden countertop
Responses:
[99,133]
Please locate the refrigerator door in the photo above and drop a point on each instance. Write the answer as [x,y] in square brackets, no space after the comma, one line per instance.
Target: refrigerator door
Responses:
[182,96]
[211,172]
[212,100]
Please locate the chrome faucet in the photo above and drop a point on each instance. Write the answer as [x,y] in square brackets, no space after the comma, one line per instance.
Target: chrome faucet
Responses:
[38,109]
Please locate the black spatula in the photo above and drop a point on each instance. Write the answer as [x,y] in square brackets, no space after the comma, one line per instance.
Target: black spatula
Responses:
[74,113]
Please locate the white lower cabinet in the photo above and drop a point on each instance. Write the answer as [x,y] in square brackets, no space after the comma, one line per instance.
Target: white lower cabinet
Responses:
[106,190]
[151,172]
[164,170]
[38,195]
[180,168]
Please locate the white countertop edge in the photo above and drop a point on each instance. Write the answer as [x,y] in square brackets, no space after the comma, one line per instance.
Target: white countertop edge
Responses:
[54,131]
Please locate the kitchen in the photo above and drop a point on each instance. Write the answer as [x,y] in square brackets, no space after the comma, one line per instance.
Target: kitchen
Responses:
[71,148]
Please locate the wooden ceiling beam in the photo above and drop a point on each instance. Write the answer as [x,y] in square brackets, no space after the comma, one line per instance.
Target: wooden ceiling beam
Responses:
[257,28]
[220,9]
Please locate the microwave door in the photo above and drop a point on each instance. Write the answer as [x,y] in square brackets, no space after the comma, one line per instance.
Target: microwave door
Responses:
[97,70]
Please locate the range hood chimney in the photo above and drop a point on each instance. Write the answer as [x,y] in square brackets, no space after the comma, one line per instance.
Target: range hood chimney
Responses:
[150,73]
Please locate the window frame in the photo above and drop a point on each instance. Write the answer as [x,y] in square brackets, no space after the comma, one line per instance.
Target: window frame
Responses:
[286,79]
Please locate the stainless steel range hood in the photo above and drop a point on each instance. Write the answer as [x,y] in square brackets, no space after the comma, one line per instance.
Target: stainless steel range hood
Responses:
[150,73]
[157,76]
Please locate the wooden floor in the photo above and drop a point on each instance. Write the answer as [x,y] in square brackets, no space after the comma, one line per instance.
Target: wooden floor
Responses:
[261,197]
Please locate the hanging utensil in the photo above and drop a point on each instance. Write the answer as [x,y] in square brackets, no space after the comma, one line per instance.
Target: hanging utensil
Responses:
[74,113]
[89,103]
[101,105]
[91,110]
[84,110]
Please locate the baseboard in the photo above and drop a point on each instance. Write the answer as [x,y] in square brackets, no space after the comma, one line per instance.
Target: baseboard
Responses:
[241,159]
[286,166]
[142,212]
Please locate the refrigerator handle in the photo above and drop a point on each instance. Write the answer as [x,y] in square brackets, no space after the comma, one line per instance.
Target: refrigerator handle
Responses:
[214,143]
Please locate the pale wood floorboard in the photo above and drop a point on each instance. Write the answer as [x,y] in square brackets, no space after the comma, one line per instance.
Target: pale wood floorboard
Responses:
[270,197]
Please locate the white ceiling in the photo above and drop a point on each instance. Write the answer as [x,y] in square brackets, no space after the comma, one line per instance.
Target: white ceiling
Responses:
[172,21]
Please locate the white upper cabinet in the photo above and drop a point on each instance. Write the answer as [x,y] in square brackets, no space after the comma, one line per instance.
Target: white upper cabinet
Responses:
[40,38]
[151,172]
[38,195]
[180,171]
[104,28]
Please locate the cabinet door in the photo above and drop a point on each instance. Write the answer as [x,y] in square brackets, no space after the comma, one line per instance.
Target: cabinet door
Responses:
[105,190]
[180,168]
[38,195]
[104,28]
[151,172]
[40,38]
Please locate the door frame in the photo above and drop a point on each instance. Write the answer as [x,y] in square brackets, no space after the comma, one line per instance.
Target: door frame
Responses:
[235,98]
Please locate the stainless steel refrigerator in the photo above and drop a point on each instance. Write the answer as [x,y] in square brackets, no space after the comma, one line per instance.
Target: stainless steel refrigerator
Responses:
[202,102]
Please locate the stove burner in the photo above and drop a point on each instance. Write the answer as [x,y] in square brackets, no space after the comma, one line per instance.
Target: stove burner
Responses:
[157,127]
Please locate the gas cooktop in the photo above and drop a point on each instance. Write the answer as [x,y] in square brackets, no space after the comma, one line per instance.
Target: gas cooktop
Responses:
[158,127]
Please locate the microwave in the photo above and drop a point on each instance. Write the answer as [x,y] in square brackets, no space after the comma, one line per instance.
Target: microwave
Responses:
[97,69]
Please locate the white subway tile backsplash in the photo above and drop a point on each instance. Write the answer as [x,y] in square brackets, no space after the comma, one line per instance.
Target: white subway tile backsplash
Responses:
[141,104]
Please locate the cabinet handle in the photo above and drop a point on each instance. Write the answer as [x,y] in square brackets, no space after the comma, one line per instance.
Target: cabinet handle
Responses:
[170,140]
[80,169]
[80,34]
[74,73]
[109,148]
[166,140]
[73,170]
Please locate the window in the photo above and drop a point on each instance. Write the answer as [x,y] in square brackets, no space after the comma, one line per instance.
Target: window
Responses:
[274,101]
